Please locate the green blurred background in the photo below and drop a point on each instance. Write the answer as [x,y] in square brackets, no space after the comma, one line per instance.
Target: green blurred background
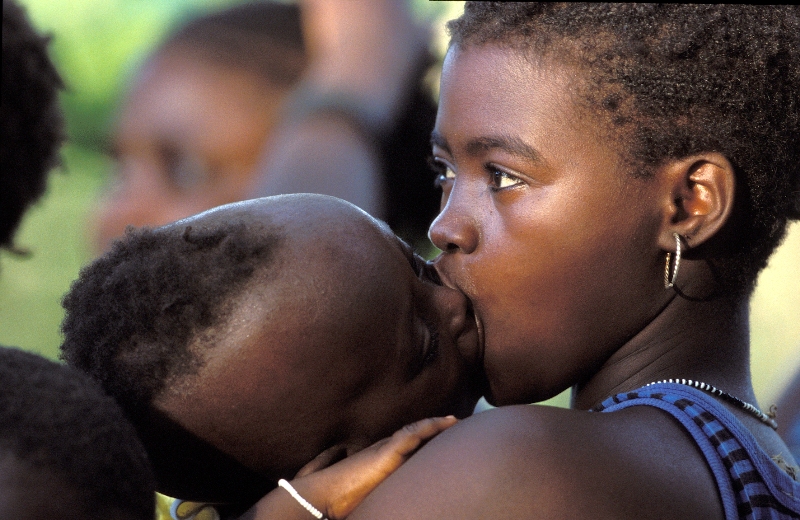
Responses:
[97,46]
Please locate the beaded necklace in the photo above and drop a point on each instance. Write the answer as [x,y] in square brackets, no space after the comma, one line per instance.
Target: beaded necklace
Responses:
[713,390]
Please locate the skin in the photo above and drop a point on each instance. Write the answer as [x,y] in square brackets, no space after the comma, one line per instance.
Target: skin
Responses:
[562,252]
[188,138]
[329,349]
[338,489]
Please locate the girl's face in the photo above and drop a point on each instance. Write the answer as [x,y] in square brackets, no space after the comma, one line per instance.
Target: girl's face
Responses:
[541,226]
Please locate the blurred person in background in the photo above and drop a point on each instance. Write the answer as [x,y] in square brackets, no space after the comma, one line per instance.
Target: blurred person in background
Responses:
[235,103]
[191,129]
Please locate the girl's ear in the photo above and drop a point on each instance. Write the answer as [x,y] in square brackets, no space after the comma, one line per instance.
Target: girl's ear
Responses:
[698,198]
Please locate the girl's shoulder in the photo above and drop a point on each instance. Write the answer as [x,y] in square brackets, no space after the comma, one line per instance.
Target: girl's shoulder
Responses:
[545,462]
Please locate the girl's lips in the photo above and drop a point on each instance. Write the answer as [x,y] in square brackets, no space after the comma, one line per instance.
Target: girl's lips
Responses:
[477,353]
[481,336]
[430,273]
[470,346]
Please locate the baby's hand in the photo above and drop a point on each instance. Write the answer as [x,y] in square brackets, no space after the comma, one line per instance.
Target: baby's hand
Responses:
[337,490]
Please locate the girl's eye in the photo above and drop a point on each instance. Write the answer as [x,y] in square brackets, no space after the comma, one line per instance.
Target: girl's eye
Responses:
[500,180]
[444,174]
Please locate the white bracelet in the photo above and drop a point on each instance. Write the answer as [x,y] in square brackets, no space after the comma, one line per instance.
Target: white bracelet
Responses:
[300,500]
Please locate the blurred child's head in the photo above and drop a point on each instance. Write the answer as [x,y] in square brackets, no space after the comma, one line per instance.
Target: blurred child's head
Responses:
[248,339]
[66,449]
[193,126]
[32,123]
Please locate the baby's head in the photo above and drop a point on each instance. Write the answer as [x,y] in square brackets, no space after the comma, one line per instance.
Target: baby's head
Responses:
[66,449]
[246,340]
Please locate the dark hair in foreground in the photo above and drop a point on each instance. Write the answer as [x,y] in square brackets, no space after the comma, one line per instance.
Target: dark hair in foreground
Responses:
[266,39]
[31,118]
[55,420]
[678,79]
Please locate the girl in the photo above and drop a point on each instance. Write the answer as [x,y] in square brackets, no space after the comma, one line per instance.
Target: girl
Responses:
[614,177]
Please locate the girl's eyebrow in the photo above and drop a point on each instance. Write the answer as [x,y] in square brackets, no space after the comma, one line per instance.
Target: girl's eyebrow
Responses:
[438,139]
[479,145]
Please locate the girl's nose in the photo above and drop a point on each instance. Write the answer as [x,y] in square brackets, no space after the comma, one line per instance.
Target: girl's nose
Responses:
[454,229]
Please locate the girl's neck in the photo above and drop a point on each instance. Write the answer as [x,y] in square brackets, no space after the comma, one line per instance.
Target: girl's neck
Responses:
[705,341]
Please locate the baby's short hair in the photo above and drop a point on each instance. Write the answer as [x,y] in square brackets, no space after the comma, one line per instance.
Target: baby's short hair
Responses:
[132,314]
[137,320]
[56,421]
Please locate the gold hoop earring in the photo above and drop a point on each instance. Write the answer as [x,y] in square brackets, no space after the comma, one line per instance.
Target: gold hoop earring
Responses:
[669,280]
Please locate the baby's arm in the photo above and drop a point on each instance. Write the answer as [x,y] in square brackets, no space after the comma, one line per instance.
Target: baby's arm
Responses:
[336,490]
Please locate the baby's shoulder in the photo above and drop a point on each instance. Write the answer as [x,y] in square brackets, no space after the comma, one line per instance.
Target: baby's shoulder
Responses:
[546,462]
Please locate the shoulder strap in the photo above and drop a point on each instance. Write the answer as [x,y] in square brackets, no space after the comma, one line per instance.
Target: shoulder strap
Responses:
[750,484]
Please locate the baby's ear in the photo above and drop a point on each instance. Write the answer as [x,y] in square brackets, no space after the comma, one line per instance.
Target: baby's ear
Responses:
[697,198]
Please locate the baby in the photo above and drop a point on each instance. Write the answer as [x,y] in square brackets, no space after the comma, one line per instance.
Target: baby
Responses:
[247,340]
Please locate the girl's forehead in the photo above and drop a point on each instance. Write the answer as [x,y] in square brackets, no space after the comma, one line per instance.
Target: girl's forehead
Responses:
[491,96]
[498,74]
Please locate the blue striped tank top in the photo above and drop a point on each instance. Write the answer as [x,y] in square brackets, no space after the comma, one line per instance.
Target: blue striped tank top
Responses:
[751,485]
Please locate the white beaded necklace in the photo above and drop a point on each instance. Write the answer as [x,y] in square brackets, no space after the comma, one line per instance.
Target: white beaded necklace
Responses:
[713,390]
